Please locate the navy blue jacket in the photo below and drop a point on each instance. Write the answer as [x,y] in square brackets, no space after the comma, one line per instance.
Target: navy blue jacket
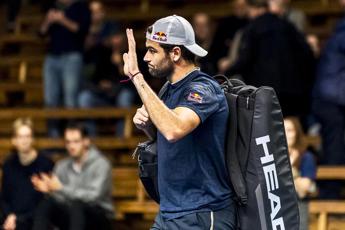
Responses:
[330,82]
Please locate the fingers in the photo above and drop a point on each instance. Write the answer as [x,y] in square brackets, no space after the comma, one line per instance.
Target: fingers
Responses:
[125,57]
[141,118]
[143,111]
[131,40]
[45,177]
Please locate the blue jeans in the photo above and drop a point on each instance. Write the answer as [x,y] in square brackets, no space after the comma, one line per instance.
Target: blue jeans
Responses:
[224,219]
[62,74]
[90,99]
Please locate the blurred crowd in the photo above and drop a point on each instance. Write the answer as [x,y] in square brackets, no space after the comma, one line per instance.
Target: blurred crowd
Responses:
[264,42]
[75,194]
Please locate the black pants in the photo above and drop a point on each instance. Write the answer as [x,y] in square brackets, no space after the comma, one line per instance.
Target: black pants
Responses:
[74,215]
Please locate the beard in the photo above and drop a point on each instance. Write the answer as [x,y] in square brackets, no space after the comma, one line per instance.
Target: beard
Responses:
[164,69]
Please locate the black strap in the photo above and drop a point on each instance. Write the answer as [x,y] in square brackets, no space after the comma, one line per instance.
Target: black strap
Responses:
[163,89]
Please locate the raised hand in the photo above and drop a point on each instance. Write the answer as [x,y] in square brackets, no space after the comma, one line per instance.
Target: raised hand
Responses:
[130,58]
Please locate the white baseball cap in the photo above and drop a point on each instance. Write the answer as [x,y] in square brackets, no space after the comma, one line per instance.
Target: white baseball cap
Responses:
[175,30]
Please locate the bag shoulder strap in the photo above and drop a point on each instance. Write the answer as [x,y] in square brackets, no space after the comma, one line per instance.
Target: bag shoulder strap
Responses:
[163,89]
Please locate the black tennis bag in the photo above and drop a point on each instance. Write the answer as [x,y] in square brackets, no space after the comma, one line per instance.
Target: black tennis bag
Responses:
[148,167]
[257,158]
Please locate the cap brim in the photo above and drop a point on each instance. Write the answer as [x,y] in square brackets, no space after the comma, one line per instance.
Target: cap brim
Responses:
[197,50]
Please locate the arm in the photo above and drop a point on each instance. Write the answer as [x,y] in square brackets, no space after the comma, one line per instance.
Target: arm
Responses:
[245,50]
[56,16]
[303,185]
[172,123]
[10,222]
[71,25]
[47,22]
[305,182]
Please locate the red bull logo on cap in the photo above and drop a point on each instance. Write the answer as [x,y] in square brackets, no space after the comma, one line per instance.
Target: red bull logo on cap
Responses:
[160,36]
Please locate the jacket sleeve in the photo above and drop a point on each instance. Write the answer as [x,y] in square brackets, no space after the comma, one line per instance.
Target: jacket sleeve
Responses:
[245,54]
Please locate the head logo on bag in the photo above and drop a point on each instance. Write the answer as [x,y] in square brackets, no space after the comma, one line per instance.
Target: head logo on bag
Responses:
[272,183]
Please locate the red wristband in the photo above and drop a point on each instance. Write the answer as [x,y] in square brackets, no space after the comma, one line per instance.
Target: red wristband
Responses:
[131,76]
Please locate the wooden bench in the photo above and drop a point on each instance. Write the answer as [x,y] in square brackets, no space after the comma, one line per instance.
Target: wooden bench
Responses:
[7,116]
[323,208]
[21,93]
[130,196]
[22,69]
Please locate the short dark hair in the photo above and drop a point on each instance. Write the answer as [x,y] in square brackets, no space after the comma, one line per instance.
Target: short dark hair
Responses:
[185,53]
[258,3]
[73,125]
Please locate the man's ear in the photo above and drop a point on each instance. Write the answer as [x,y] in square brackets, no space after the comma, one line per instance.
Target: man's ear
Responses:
[176,54]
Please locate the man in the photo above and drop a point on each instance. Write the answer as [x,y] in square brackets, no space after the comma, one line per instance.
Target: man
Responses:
[273,53]
[103,68]
[189,123]
[329,105]
[79,191]
[67,25]
[19,198]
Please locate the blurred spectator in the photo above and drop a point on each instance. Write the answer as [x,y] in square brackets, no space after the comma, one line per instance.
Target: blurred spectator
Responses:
[67,25]
[13,8]
[225,33]
[19,198]
[295,16]
[204,31]
[79,191]
[103,68]
[273,53]
[303,167]
[329,105]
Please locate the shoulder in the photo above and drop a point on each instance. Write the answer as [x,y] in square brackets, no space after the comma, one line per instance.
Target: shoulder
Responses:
[10,160]
[98,158]
[62,164]
[205,81]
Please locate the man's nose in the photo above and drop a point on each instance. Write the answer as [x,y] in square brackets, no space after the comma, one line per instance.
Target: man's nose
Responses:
[146,58]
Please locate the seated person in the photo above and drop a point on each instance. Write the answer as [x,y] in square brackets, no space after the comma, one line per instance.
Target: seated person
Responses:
[79,190]
[103,68]
[303,166]
[19,198]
